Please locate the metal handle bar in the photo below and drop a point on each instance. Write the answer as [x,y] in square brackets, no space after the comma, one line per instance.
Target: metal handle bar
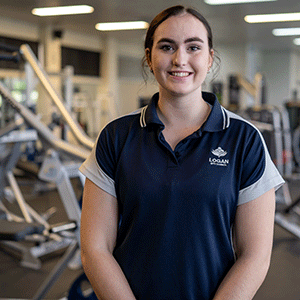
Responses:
[43,77]
[30,118]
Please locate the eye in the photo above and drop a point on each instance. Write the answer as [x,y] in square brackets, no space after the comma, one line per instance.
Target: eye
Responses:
[194,48]
[166,48]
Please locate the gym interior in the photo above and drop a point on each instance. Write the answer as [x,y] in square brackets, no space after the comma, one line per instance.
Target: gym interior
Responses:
[62,79]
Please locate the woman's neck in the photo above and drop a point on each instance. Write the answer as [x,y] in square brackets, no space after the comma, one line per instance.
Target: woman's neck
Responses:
[181,117]
[183,111]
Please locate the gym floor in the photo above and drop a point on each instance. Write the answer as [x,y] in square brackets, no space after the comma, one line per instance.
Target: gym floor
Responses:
[16,282]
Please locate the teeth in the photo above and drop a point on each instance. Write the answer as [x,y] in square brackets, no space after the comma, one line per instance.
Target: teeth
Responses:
[180,74]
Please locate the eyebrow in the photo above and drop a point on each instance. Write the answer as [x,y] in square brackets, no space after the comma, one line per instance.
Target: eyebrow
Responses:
[189,40]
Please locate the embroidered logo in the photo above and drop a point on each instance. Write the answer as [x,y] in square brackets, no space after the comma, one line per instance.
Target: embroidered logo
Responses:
[222,162]
[219,152]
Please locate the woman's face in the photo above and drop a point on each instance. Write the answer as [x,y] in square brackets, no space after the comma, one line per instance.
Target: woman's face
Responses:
[180,57]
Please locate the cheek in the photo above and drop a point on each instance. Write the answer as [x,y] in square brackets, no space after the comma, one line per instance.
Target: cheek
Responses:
[204,63]
[157,64]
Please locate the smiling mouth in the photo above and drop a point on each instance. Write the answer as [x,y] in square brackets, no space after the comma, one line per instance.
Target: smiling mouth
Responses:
[180,74]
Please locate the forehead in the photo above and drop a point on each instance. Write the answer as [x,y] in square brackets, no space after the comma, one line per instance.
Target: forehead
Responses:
[181,27]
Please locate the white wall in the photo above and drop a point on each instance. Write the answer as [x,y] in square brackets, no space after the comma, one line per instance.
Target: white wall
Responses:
[18,29]
[130,92]
[232,62]
[281,70]
[276,67]
[133,87]
[294,74]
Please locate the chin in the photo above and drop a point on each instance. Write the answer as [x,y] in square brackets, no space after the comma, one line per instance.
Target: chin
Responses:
[184,92]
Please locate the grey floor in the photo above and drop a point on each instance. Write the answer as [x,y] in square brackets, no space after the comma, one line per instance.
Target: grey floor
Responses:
[16,282]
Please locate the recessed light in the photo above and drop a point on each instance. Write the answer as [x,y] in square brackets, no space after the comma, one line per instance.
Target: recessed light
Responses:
[285,17]
[122,26]
[62,10]
[297,41]
[286,31]
[221,2]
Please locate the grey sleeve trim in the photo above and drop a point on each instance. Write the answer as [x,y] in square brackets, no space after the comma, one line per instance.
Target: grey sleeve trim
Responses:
[259,188]
[91,169]
[271,178]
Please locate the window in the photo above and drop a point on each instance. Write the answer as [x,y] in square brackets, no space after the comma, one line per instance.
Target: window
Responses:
[15,43]
[84,62]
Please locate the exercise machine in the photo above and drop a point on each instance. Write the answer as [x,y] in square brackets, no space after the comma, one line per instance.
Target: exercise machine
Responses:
[60,165]
[293,108]
[273,123]
[29,56]
[12,140]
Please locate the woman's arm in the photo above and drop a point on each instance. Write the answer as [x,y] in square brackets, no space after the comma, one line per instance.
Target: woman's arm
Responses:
[99,224]
[253,239]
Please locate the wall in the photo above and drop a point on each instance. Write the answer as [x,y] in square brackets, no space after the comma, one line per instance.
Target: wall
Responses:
[276,67]
[294,74]
[232,62]
[132,90]
[132,85]
[17,29]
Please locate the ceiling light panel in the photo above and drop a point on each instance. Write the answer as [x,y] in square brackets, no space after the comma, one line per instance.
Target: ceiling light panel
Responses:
[286,17]
[62,10]
[122,26]
[297,41]
[286,31]
[221,2]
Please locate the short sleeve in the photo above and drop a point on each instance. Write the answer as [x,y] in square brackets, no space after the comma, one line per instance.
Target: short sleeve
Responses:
[259,173]
[98,167]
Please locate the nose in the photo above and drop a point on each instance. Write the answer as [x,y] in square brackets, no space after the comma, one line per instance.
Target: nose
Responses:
[180,58]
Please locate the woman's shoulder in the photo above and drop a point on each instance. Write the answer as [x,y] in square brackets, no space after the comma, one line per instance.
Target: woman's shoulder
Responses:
[124,122]
[240,121]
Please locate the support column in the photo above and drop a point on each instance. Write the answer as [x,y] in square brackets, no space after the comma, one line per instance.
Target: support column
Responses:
[294,88]
[52,65]
[109,71]
[253,65]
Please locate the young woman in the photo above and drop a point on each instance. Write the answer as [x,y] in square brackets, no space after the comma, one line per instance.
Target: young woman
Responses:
[179,198]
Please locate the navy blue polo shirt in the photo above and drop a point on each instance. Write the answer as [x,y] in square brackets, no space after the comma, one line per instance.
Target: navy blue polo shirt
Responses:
[177,207]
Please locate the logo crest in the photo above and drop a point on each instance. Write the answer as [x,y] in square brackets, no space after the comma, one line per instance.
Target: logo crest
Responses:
[221,162]
[219,152]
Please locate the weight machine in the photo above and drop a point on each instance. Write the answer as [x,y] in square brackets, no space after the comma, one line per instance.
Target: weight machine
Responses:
[59,166]
[31,227]
[274,124]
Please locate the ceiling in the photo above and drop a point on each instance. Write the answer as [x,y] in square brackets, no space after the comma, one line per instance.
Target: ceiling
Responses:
[227,21]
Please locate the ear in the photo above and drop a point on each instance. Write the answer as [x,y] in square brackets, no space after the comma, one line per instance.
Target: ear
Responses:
[148,57]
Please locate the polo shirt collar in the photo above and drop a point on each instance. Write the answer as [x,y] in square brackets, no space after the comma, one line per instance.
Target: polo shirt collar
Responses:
[217,120]
[149,113]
